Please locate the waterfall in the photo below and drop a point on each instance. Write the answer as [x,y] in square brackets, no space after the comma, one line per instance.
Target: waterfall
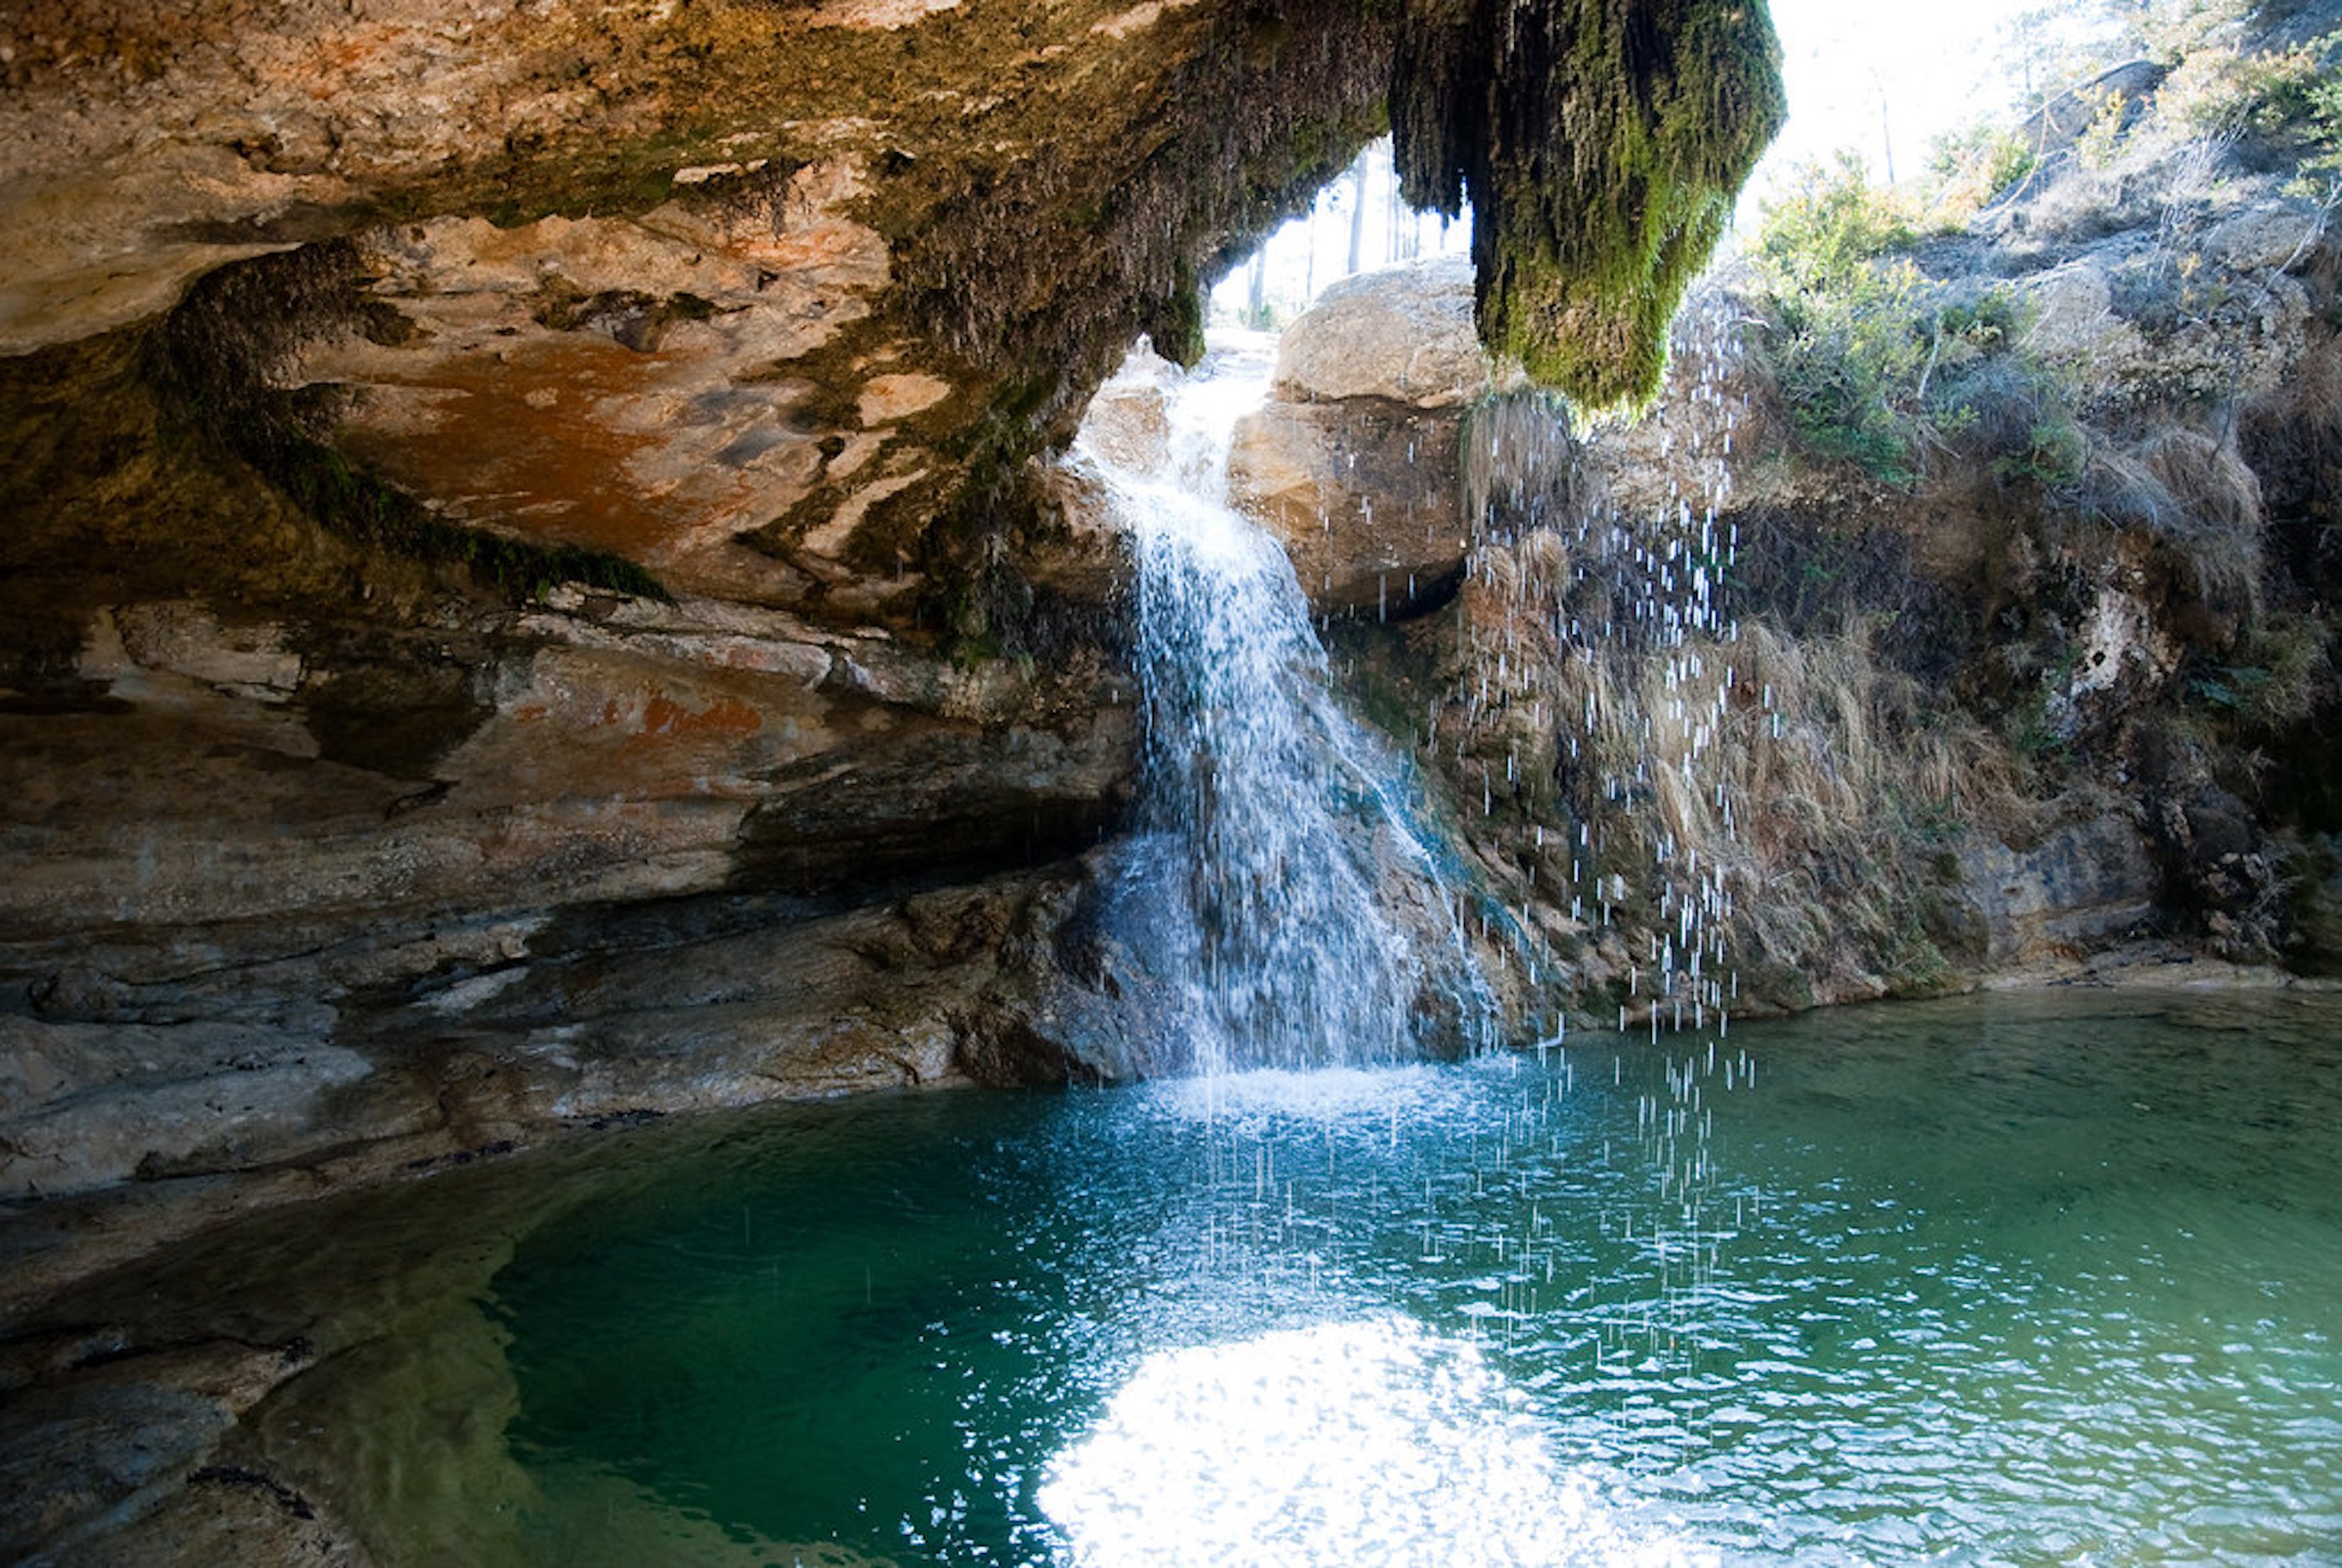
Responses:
[1636,657]
[1282,884]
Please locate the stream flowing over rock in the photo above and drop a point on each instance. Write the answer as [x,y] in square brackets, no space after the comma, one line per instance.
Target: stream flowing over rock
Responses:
[1282,892]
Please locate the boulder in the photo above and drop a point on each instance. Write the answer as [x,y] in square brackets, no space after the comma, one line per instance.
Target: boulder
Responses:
[1403,333]
[2268,236]
[1129,423]
[1364,494]
[1354,461]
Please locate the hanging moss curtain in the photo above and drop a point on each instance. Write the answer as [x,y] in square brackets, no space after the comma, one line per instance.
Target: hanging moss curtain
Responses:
[1601,144]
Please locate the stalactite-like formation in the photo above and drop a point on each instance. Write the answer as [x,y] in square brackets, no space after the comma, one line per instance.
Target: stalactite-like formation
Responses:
[1601,144]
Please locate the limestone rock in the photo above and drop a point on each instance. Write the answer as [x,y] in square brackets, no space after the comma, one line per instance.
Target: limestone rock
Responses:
[326,932]
[1128,422]
[82,1104]
[2083,888]
[1355,460]
[1403,333]
[2072,311]
[611,383]
[85,1450]
[2266,237]
[1364,496]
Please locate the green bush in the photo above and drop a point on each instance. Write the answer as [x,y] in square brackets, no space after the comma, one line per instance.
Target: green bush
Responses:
[1824,234]
[1875,365]
[2320,124]
[2056,453]
[1973,167]
[1838,336]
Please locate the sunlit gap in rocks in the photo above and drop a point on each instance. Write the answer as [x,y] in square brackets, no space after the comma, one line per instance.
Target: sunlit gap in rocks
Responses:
[1284,881]
[1358,222]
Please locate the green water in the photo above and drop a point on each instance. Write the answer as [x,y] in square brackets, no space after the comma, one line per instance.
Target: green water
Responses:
[1992,1281]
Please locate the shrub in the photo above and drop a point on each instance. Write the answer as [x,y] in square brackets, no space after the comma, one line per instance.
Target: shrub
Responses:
[1971,168]
[2276,677]
[2054,455]
[1876,365]
[1833,223]
[2218,88]
[1839,340]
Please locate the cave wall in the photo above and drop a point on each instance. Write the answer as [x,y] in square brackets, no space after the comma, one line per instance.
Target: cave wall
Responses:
[531,590]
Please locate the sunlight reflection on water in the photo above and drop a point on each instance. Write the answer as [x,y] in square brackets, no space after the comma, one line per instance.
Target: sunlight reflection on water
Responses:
[1362,1441]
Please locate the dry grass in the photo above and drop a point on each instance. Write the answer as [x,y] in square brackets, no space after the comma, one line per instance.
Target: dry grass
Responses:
[1803,786]
[2201,503]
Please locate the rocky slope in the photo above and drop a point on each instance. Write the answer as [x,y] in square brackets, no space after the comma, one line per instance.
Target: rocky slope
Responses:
[2001,651]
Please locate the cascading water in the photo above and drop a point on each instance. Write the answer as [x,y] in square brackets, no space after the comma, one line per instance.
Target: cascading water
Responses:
[1286,892]
[1983,1281]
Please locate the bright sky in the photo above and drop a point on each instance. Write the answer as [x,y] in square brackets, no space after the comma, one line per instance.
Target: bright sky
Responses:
[1869,74]
[1862,75]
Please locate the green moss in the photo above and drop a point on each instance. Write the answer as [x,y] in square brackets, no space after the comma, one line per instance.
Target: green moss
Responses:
[1177,327]
[1601,145]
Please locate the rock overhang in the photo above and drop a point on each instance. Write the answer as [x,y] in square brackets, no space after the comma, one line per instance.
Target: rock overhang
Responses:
[635,279]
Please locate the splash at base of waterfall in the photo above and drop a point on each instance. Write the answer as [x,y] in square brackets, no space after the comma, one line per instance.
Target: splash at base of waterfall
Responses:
[1281,883]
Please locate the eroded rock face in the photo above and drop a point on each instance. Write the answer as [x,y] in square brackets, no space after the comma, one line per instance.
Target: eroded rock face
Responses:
[69,1474]
[247,869]
[624,385]
[2056,695]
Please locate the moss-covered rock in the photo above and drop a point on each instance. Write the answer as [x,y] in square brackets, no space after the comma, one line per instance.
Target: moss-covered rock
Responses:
[1601,144]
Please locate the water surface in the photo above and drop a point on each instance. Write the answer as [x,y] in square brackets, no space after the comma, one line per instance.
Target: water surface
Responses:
[2013,1279]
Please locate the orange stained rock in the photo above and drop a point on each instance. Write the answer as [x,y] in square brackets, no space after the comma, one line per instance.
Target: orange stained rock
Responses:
[539,443]
[663,715]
